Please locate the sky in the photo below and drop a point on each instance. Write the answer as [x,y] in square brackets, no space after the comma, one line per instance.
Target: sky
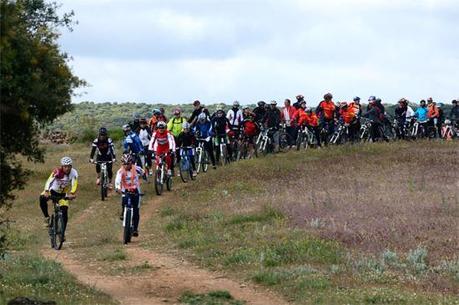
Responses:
[220,51]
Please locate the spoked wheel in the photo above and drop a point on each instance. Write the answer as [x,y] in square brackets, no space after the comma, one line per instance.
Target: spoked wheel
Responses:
[284,140]
[184,170]
[52,232]
[205,161]
[127,227]
[158,182]
[103,188]
[169,183]
[299,140]
[59,229]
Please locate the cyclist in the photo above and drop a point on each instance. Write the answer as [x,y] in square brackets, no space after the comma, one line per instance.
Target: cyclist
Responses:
[260,111]
[312,123]
[198,109]
[132,144]
[156,117]
[454,113]
[128,180]
[105,152]
[421,115]
[220,125]
[374,115]
[250,128]
[62,183]
[235,117]
[175,127]
[401,118]
[145,136]
[272,121]
[299,100]
[162,142]
[204,132]
[441,118]
[432,115]
[355,105]
[347,115]
[186,141]
[287,118]
[326,111]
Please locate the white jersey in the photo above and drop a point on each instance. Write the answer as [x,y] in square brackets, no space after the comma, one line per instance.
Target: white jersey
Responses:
[235,118]
[144,137]
[62,183]
[119,185]
[409,113]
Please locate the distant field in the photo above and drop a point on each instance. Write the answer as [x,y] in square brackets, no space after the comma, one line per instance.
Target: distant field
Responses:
[371,224]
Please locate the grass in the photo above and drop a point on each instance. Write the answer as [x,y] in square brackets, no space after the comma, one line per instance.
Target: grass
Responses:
[272,221]
[37,278]
[382,232]
[212,298]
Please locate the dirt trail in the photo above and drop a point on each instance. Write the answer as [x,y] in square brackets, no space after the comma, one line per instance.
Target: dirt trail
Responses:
[167,281]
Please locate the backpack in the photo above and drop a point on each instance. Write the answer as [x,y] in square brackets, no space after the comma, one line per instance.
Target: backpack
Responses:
[250,128]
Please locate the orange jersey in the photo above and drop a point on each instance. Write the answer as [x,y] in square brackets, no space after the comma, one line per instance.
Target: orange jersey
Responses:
[328,109]
[312,119]
[433,111]
[348,114]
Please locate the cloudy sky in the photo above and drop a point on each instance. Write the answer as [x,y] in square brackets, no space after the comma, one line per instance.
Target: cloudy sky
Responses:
[221,50]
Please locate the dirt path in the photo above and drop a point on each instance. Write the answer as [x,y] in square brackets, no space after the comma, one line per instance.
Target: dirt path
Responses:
[167,281]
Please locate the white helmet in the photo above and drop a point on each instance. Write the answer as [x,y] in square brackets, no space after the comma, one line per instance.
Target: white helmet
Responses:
[236,104]
[66,161]
[161,124]
[202,117]
[186,125]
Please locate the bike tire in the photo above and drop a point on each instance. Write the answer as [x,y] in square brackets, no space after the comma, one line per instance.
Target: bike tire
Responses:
[127,234]
[199,162]
[205,161]
[184,169]
[52,232]
[158,183]
[59,232]
[299,140]
[103,193]
[169,183]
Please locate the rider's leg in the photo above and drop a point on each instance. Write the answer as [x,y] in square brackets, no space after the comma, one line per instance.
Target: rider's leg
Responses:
[210,151]
[65,216]
[98,173]
[135,199]
[44,206]
[110,172]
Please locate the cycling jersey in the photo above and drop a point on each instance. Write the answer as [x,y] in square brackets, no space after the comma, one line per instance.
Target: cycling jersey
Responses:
[432,111]
[421,114]
[357,109]
[259,113]
[312,119]
[162,142]
[454,114]
[132,143]
[272,118]
[327,109]
[348,115]
[220,125]
[250,128]
[61,183]
[155,119]
[128,179]
[287,115]
[175,125]
[204,130]
[186,139]
[234,116]
[104,148]
[144,136]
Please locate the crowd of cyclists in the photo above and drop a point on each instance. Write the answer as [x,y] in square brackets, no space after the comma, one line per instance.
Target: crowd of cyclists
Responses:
[243,132]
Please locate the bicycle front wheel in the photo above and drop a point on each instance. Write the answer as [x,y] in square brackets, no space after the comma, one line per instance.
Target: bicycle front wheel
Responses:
[127,227]
[52,231]
[59,229]
[158,182]
[205,161]
[103,187]
[184,170]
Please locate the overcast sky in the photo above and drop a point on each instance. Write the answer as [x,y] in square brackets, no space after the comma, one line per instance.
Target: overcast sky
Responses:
[249,50]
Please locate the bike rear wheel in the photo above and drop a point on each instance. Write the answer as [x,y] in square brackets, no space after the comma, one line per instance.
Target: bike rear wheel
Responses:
[103,187]
[184,170]
[127,233]
[59,229]
[52,232]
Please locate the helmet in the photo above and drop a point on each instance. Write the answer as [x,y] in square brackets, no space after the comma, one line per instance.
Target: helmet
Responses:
[126,159]
[202,117]
[126,127]
[156,111]
[356,98]
[440,105]
[454,101]
[236,104]
[342,104]
[143,121]
[219,108]
[161,125]
[177,111]
[103,131]
[299,97]
[196,103]
[261,103]
[378,100]
[328,96]
[273,102]
[372,98]
[245,107]
[430,100]
[66,161]
[186,125]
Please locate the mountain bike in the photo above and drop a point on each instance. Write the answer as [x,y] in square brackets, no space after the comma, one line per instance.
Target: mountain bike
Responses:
[365,135]
[221,144]
[284,138]
[418,130]
[185,166]
[161,176]
[128,217]
[247,149]
[341,134]
[202,158]
[302,139]
[103,178]
[56,228]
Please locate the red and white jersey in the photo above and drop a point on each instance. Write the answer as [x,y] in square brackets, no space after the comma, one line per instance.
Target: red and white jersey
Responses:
[162,141]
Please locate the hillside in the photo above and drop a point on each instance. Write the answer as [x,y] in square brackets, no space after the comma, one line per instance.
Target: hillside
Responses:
[369,224]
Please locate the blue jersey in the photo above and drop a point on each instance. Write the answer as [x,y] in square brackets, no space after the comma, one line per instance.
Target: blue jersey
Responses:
[132,143]
[421,114]
[203,130]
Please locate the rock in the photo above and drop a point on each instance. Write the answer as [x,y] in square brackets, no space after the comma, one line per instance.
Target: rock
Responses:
[27,301]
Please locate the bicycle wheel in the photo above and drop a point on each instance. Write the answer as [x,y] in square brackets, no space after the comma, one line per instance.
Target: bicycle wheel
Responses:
[205,161]
[158,182]
[103,192]
[169,183]
[199,157]
[299,140]
[127,227]
[284,140]
[184,169]
[52,232]
[59,231]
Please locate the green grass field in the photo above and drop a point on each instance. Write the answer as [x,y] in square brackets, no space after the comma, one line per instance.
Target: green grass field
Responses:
[373,224]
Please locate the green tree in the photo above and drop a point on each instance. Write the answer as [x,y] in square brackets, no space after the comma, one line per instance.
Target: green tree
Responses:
[36,84]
